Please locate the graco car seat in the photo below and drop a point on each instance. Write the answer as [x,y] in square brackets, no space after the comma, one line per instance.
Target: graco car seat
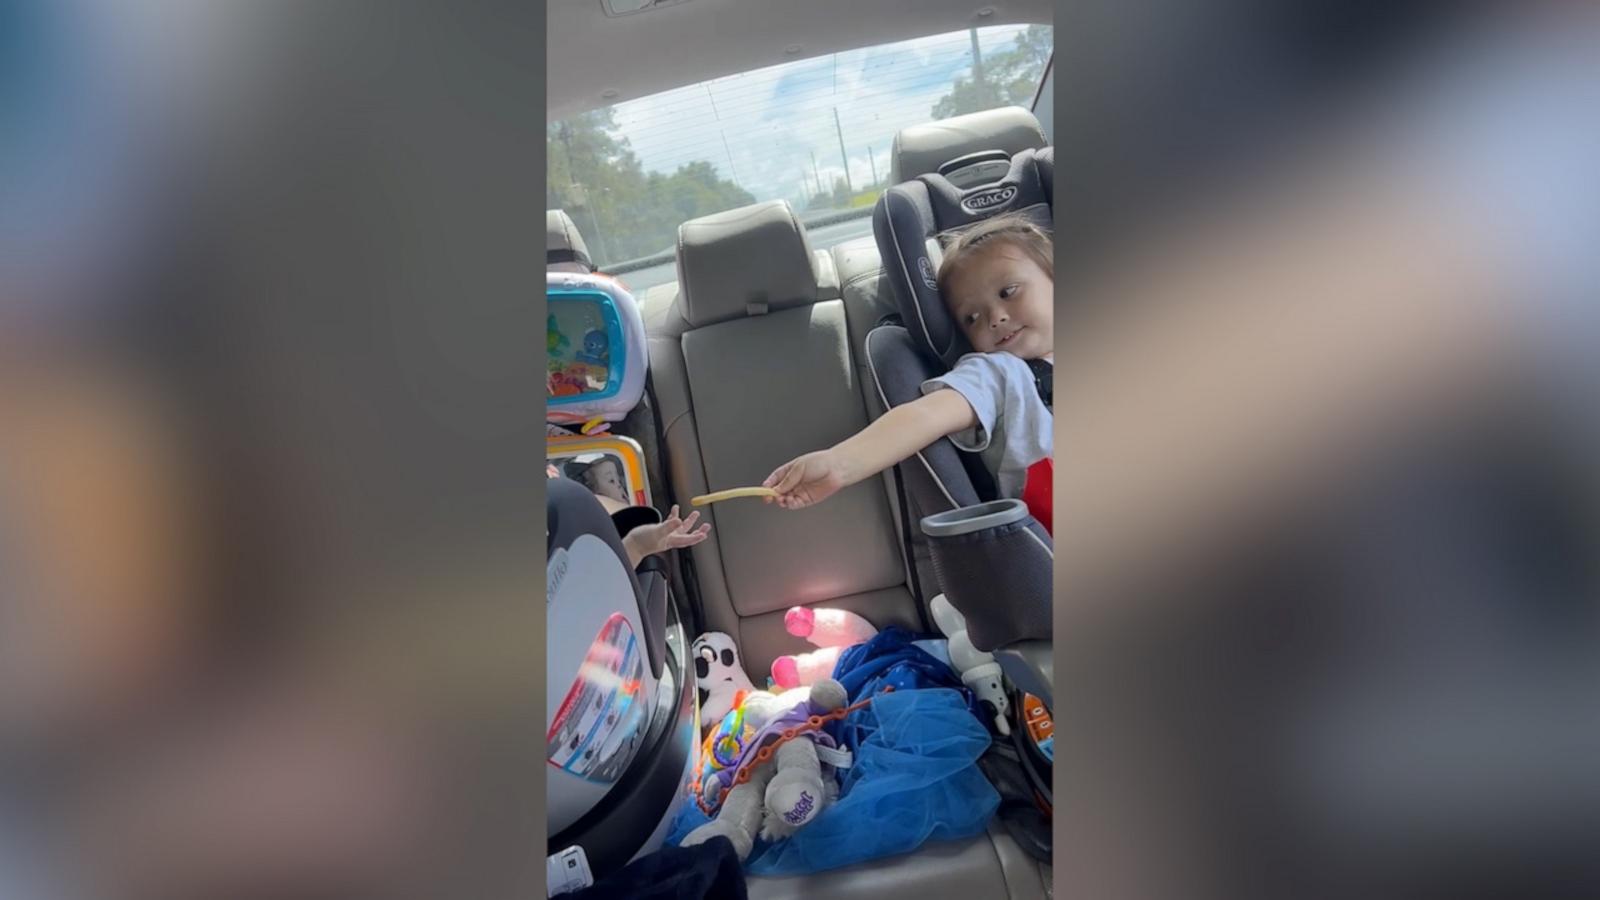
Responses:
[993,560]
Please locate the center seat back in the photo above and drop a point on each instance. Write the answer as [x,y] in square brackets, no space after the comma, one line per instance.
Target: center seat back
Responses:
[754,363]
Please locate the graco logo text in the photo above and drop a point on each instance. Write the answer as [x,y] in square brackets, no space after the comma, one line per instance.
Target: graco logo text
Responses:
[987,200]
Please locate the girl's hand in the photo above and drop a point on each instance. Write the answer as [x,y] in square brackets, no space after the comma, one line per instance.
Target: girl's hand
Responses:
[808,479]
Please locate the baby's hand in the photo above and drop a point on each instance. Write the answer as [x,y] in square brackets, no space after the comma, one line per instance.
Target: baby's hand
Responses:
[671,534]
[807,479]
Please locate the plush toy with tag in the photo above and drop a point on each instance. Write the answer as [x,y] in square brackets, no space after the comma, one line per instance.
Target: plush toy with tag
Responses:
[776,773]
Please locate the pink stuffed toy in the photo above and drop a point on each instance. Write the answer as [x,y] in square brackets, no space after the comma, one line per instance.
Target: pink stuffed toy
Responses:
[832,630]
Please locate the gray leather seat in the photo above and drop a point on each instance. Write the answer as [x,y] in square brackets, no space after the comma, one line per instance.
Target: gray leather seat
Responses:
[989,866]
[757,356]
[754,361]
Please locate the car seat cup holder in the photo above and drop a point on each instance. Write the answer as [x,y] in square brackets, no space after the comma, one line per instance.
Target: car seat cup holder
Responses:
[971,519]
[994,562]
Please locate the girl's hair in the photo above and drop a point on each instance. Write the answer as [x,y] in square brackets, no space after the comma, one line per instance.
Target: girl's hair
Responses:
[1014,229]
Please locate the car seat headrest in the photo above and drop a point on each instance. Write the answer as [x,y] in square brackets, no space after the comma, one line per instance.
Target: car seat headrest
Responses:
[564,250]
[743,262]
[922,149]
[912,219]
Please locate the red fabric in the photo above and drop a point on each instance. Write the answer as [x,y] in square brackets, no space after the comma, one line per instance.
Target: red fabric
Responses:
[1037,491]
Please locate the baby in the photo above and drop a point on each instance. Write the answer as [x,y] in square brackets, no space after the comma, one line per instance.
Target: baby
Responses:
[604,478]
[642,537]
[998,280]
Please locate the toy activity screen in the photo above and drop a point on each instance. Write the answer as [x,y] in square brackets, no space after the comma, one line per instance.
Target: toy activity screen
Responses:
[583,341]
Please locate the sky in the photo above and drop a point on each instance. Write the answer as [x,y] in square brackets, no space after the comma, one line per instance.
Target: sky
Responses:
[762,129]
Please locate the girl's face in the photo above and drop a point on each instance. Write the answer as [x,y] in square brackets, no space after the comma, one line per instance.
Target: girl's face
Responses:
[1004,302]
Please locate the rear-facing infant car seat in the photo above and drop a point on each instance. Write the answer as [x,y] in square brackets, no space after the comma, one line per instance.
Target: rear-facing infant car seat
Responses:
[1000,575]
[621,715]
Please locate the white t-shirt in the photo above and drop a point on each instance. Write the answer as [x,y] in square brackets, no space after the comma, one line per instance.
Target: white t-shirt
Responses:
[1014,428]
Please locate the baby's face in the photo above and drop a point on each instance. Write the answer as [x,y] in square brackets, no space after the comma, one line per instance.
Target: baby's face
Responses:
[608,481]
[1004,302]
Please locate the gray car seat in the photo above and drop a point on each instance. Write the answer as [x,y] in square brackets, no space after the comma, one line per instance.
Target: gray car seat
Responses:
[998,576]
[627,817]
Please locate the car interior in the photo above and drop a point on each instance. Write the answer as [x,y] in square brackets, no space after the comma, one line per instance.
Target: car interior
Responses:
[762,348]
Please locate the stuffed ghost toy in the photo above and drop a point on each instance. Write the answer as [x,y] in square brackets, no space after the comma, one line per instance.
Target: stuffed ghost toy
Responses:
[719,673]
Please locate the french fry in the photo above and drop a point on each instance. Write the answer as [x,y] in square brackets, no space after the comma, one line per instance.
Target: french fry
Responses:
[732,494]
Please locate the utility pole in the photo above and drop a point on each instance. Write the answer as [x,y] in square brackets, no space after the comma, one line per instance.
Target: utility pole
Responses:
[874,164]
[718,116]
[977,60]
[814,173]
[842,157]
[731,167]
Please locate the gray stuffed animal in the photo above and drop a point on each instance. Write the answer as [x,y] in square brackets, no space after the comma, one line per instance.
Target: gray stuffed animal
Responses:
[787,791]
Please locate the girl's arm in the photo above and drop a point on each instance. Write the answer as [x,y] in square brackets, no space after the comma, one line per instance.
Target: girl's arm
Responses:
[896,435]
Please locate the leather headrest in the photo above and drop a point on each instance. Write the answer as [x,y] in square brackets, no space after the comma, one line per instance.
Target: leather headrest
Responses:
[742,262]
[563,246]
[922,149]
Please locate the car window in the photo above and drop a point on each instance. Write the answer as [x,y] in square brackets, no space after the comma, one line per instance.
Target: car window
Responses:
[815,132]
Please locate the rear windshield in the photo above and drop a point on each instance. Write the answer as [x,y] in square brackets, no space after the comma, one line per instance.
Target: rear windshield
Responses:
[815,132]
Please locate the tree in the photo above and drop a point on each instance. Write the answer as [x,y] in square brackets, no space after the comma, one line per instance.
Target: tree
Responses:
[1034,46]
[841,193]
[966,96]
[622,211]
[1008,77]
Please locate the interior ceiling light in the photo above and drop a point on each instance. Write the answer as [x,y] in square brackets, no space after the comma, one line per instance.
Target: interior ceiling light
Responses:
[629,7]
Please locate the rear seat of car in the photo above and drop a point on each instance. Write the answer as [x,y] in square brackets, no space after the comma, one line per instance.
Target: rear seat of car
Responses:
[754,364]
[756,357]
